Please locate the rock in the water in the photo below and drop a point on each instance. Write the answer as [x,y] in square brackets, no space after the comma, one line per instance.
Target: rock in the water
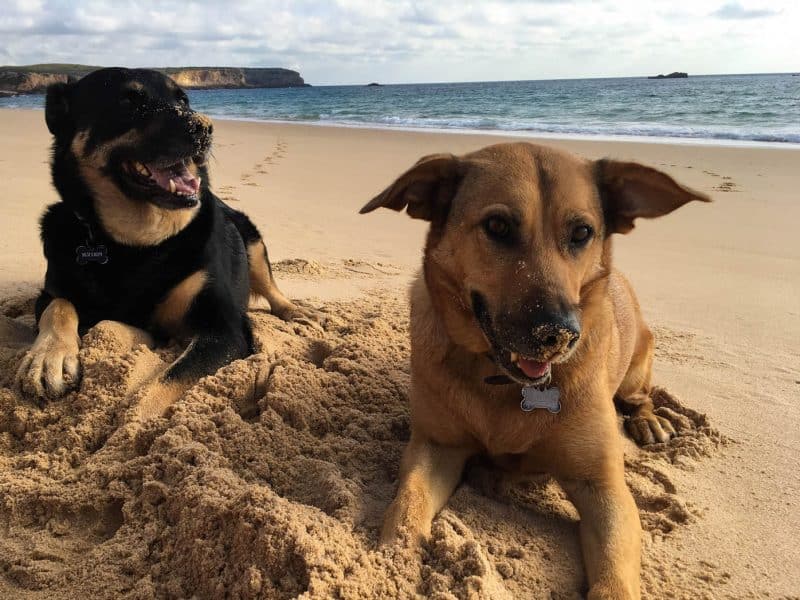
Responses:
[673,75]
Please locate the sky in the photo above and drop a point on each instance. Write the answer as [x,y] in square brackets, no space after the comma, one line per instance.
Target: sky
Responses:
[397,41]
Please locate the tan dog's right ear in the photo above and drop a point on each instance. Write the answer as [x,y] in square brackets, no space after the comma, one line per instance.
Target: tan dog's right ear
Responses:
[426,188]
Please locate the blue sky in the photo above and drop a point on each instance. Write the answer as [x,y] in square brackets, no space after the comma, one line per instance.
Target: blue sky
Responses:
[356,41]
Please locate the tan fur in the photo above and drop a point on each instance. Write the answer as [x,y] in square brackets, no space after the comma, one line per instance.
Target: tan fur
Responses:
[169,314]
[454,413]
[151,394]
[263,284]
[202,120]
[126,221]
[154,398]
[54,355]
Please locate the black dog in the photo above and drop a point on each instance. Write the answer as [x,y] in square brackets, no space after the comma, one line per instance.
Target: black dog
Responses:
[138,236]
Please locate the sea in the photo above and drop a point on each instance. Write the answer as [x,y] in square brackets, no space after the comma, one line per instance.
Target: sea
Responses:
[726,109]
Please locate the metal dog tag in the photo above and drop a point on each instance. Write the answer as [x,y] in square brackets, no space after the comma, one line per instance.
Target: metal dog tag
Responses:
[87,254]
[533,398]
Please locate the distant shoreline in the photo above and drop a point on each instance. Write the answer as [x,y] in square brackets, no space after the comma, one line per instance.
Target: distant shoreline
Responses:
[365,83]
[34,79]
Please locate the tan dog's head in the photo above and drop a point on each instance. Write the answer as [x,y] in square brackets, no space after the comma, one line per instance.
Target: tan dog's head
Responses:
[519,239]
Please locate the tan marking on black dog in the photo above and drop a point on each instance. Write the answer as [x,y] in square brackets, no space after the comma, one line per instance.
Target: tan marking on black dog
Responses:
[154,398]
[127,221]
[263,284]
[170,313]
[51,365]
[203,121]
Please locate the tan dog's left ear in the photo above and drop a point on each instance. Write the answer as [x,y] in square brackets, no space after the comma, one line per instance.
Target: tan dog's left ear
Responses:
[426,188]
[629,190]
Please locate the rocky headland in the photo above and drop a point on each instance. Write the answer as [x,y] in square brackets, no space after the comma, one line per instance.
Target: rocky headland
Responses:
[34,79]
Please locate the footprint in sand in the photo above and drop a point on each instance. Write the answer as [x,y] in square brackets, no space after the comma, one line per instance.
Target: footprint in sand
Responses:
[225,193]
[246,180]
[278,152]
[726,186]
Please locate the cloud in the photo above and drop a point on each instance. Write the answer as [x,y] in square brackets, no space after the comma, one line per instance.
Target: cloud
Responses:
[352,41]
[734,10]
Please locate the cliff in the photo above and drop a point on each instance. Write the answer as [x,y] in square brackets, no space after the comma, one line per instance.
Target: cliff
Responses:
[27,82]
[234,77]
[34,79]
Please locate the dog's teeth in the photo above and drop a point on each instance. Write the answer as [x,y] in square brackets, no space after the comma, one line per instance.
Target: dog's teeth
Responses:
[141,168]
[172,187]
[514,357]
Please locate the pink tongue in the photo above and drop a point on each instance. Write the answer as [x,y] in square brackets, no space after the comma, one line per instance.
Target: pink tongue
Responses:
[533,369]
[185,182]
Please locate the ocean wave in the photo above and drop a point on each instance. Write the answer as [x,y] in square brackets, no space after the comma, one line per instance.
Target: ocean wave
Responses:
[599,130]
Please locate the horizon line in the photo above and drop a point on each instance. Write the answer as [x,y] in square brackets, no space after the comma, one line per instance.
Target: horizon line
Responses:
[440,82]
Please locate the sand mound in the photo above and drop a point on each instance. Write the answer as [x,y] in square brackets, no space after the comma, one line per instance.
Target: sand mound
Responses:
[268,480]
[349,268]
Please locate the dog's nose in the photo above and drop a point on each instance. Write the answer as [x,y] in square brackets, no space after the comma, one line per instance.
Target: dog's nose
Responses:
[558,335]
[203,122]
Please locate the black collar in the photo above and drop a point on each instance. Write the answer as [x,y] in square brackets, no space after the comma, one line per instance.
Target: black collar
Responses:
[86,226]
[499,379]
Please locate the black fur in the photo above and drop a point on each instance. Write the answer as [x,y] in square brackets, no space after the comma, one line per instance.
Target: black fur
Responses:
[136,279]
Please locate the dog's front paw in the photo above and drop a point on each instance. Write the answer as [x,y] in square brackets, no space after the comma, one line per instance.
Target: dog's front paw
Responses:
[49,368]
[646,427]
[392,525]
[404,525]
[612,591]
[299,314]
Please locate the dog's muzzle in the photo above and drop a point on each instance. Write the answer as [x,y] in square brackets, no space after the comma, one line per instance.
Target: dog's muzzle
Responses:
[526,352]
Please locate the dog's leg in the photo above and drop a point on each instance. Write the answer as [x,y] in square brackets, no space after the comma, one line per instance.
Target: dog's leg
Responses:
[51,366]
[203,356]
[223,334]
[594,481]
[633,396]
[428,475]
[263,283]
[610,534]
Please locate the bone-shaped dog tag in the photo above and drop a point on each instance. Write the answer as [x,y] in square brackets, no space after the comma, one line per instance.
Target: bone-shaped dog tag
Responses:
[535,398]
[88,253]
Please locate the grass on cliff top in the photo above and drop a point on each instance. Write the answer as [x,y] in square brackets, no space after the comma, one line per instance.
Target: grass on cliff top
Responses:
[59,68]
[69,69]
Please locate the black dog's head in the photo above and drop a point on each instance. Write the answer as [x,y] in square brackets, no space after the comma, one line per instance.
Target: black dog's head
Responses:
[132,138]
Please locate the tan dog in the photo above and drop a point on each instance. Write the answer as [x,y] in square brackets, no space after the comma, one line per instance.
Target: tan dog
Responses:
[518,293]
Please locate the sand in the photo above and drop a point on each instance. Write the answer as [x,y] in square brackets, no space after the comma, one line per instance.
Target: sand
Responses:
[268,479]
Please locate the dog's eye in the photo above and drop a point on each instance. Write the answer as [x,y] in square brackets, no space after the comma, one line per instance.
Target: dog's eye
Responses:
[498,228]
[581,234]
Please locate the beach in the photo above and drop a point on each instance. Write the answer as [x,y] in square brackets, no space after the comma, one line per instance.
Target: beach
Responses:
[276,488]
